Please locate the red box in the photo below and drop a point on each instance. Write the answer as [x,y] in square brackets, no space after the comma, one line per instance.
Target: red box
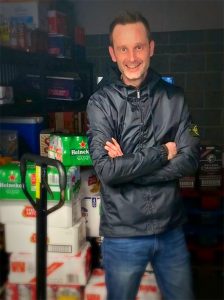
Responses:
[59,45]
[28,291]
[57,22]
[79,36]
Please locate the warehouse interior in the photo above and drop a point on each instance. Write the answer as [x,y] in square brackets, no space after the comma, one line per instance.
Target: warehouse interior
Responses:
[53,53]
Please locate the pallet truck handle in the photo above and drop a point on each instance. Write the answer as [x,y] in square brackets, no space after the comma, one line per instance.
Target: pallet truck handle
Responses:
[40,207]
[43,161]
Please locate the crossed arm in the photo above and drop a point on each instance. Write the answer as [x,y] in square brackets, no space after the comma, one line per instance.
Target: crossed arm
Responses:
[114,150]
[146,166]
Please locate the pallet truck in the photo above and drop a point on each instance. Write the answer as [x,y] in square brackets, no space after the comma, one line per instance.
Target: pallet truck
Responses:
[40,205]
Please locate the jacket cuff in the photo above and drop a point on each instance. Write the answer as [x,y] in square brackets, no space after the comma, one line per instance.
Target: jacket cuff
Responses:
[164,154]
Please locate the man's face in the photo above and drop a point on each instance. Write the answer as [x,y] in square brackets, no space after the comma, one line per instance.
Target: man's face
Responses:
[131,51]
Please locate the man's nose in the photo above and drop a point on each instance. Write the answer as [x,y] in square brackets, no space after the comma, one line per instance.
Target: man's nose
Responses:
[132,55]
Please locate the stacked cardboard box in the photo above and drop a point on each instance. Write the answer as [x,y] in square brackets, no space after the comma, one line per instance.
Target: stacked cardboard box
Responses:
[68,252]
[96,287]
[204,203]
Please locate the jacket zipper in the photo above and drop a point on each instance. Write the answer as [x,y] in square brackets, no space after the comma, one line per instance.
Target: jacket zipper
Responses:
[138,97]
[138,94]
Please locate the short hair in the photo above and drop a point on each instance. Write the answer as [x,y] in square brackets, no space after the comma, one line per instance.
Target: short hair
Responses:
[127,17]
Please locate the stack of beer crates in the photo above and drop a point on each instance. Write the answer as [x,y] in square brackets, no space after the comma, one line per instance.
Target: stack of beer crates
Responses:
[68,251]
[203,198]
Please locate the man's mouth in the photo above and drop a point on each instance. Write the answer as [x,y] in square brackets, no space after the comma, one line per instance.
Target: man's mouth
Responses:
[132,67]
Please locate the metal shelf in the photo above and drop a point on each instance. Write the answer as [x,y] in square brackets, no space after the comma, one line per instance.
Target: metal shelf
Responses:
[15,63]
[42,108]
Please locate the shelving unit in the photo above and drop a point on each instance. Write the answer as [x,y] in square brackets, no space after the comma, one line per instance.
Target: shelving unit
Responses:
[15,63]
[204,234]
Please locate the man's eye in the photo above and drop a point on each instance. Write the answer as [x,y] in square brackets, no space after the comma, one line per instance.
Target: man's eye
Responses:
[139,47]
[123,49]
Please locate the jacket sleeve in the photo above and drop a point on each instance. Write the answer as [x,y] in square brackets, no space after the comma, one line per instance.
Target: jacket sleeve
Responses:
[186,162]
[121,169]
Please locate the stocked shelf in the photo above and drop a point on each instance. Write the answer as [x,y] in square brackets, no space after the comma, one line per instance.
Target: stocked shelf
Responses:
[42,107]
[15,64]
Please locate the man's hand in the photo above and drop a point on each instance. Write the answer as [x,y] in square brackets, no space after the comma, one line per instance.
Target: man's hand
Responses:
[172,149]
[113,148]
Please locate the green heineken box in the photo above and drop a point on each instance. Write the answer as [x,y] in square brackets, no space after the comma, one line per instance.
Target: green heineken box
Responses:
[10,182]
[71,150]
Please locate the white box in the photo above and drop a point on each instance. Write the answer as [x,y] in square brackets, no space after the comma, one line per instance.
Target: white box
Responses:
[33,13]
[14,291]
[148,288]
[96,287]
[90,207]
[22,238]
[45,140]
[61,268]
[90,184]
[22,212]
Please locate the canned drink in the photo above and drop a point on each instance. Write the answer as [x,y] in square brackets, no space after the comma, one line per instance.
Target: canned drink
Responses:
[59,148]
[67,293]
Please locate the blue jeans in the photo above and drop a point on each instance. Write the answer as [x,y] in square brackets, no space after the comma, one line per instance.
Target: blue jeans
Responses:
[125,260]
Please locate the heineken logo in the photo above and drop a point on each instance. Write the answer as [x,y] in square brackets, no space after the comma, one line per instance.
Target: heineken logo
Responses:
[82,144]
[12,176]
[79,152]
[10,185]
[80,149]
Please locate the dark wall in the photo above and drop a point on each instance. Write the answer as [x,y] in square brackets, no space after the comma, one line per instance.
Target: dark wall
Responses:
[196,60]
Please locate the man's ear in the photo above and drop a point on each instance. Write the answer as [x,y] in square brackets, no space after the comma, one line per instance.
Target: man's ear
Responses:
[112,55]
[151,47]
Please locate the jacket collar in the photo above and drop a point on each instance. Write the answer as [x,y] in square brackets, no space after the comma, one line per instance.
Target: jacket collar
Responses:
[114,77]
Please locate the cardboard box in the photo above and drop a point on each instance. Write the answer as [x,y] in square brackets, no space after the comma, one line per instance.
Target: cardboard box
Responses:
[148,288]
[15,291]
[79,36]
[90,207]
[10,182]
[44,141]
[61,269]
[32,13]
[22,238]
[64,87]
[210,171]
[22,212]
[70,122]
[71,150]
[57,22]
[64,121]
[187,182]
[96,287]
[90,183]
[60,46]
[9,144]
[28,129]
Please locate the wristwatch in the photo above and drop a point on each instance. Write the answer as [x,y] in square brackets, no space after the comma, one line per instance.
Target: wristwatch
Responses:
[164,153]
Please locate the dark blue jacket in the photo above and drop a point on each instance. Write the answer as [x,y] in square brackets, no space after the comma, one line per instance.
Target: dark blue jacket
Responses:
[140,190]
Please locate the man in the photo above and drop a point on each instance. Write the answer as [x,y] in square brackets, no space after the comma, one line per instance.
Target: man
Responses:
[141,141]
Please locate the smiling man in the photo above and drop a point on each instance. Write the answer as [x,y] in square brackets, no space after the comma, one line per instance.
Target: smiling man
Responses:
[131,49]
[141,143]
